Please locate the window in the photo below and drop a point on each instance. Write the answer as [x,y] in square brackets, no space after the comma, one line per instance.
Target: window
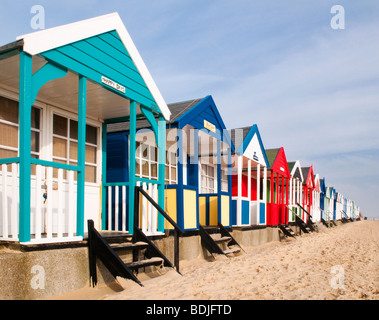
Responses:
[65,146]
[171,168]
[208,179]
[9,129]
[146,161]
[224,179]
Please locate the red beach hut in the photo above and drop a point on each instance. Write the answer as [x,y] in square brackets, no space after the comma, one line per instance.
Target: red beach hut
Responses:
[278,187]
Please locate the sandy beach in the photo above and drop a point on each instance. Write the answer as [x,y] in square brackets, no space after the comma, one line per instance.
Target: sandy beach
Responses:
[333,264]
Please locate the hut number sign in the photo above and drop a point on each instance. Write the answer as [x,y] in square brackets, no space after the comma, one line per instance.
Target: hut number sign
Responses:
[209,126]
[112,84]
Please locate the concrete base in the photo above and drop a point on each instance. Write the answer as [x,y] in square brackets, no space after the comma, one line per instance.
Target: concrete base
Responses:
[46,273]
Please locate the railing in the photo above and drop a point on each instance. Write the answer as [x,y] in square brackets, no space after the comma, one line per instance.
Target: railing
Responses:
[9,202]
[117,208]
[52,204]
[309,220]
[177,229]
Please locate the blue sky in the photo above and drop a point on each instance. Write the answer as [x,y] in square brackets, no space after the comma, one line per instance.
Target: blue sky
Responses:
[277,63]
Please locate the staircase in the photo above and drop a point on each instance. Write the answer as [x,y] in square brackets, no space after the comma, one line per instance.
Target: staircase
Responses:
[309,224]
[217,240]
[139,250]
[287,231]
[325,223]
[344,217]
[303,226]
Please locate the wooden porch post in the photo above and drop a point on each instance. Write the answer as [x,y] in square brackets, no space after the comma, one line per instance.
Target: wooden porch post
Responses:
[161,169]
[81,155]
[25,109]
[239,190]
[259,193]
[219,202]
[132,163]
[103,175]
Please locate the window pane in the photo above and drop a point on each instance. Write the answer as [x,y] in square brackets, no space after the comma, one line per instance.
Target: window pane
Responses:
[74,129]
[73,151]
[153,154]
[35,141]
[154,170]
[91,134]
[145,168]
[60,125]
[173,174]
[8,135]
[36,118]
[167,173]
[9,110]
[144,151]
[7,154]
[138,167]
[91,154]
[59,148]
[90,174]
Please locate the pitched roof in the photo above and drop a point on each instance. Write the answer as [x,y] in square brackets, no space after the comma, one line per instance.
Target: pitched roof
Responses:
[236,137]
[45,40]
[271,155]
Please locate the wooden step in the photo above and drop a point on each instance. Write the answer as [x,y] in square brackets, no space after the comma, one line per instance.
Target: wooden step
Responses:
[155,261]
[232,250]
[221,239]
[129,246]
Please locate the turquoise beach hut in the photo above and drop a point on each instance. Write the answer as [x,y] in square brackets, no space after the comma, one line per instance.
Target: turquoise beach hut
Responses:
[59,88]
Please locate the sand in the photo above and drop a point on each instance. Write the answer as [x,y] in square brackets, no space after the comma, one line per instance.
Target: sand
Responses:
[338,263]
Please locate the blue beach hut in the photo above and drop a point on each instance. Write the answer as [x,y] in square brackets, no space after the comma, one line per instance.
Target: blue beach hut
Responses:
[198,159]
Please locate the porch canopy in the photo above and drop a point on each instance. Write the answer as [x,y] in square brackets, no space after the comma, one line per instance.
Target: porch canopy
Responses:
[92,68]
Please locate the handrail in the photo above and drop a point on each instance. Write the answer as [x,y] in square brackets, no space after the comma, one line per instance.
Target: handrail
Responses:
[309,215]
[177,229]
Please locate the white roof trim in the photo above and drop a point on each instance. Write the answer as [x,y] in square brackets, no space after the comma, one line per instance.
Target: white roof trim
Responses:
[41,41]
[295,166]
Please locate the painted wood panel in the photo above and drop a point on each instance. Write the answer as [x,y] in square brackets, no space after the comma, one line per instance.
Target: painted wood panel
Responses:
[189,208]
[104,55]
[225,210]
[202,210]
[171,206]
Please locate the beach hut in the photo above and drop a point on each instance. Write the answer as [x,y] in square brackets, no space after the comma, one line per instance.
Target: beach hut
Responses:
[197,179]
[323,204]
[308,187]
[249,179]
[295,190]
[59,88]
[329,203]
[339,206]
[277,188]
[317,200]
